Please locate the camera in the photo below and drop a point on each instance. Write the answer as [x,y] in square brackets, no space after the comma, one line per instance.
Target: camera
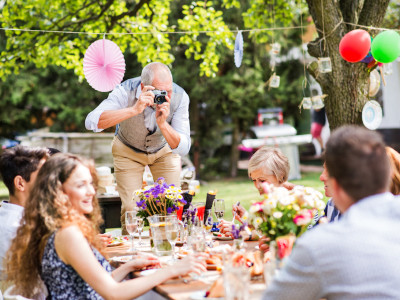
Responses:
[159,96]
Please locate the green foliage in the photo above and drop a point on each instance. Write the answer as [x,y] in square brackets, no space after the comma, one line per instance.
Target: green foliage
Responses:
[202,16]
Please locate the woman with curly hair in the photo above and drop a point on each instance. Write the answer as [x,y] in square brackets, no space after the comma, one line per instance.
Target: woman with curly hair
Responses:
[56,243]
[394,158]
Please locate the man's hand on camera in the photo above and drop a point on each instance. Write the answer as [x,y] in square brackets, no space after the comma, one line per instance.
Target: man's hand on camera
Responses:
[146,99]
[162,111]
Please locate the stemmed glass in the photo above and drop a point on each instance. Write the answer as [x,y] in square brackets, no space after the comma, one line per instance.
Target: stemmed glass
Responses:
[131,224]
[219,209]
[172,230]
[140,224]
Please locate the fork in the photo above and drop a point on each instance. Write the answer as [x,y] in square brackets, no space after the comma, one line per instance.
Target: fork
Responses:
[234,213]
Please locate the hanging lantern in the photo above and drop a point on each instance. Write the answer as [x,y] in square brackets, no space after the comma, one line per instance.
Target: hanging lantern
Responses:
[306,102]
[274,81]
[324,65]
[318,102]
[388,69]
[275,48]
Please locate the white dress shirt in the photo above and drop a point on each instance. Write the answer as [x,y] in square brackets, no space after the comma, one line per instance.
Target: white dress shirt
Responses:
[356,258]
[10,217]
[118,99]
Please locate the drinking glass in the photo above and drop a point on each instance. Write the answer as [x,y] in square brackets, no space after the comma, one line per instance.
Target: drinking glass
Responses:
[131,226]
[172,229]
[140,224]
[236,278]
[219,209]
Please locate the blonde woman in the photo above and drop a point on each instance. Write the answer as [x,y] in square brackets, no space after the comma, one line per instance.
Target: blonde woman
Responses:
[267,165]
[57,241]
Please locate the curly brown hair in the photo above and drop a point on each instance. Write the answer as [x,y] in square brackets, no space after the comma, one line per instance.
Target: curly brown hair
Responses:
[394,158]
[46,211]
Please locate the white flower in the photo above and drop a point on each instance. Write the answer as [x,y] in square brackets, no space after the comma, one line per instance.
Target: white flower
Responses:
[277,214]
[254,208]
[320,204]
[257,222]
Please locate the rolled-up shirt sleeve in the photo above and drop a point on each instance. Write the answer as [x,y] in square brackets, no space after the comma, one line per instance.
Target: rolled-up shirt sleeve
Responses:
[117,99]
[180,122]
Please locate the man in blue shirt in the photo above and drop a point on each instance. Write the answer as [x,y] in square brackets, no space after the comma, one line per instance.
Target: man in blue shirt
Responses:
[356,258]
[148,133]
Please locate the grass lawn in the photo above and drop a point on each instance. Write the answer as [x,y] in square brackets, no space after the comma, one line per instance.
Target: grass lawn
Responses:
[3,191]
[232,190]
[243,190]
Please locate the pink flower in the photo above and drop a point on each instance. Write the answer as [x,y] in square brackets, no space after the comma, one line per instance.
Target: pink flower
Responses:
[303,217]
[266,187]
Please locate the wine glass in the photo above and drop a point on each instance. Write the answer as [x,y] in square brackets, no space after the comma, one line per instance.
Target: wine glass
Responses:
[219,209]
[172,230]
[140,224]
[131,226]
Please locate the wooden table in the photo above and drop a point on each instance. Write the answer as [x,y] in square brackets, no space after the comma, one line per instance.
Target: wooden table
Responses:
[176,289]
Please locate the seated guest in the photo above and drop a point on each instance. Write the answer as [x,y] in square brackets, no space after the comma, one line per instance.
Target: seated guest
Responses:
[267,165]
[331,213]
[18,167]
[57,241]
[356,258]
[394,158]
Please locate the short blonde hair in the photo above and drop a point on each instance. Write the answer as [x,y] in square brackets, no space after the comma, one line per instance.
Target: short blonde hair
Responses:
[270,160]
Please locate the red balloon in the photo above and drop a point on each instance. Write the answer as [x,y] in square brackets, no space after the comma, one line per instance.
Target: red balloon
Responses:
[355,45]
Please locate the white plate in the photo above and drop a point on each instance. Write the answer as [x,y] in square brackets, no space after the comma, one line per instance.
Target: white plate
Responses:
[201,295]
[122,259]
[148,272]
[372,115]
[222,238]
[115,243]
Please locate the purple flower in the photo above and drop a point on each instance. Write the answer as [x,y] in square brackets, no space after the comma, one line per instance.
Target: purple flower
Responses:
[236,230]
[170,210]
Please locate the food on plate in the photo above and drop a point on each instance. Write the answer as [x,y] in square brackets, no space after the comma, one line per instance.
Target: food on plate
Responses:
[214,262]
[222,236]
[117,240]
[217,289]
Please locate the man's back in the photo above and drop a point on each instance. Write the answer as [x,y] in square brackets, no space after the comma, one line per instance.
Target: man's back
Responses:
[355,258]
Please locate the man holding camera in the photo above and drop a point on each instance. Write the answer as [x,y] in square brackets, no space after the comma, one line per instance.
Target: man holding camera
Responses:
[153,117]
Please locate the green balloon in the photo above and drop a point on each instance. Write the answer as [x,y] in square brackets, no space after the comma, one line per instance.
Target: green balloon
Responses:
[385,47]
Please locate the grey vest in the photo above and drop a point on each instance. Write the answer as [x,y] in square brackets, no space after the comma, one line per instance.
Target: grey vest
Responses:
[133,131]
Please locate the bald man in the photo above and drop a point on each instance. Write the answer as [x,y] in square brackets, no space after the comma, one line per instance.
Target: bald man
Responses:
[150,132]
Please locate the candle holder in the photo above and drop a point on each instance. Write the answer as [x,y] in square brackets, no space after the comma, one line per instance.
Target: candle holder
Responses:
[274,81]
[324,64]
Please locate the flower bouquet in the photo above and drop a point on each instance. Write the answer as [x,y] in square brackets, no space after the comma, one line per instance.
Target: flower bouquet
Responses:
[285,214]
[159,199]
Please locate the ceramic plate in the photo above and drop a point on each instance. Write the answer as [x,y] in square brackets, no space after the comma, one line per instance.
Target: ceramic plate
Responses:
[372,115]
[122,259]
[222,238]
[148,272]
[115,243]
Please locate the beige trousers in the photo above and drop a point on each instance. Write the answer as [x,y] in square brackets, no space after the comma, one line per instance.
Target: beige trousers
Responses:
[129,168]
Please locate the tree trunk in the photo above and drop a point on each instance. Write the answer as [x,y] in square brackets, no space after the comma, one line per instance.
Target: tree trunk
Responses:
[347,85]
[234,148]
